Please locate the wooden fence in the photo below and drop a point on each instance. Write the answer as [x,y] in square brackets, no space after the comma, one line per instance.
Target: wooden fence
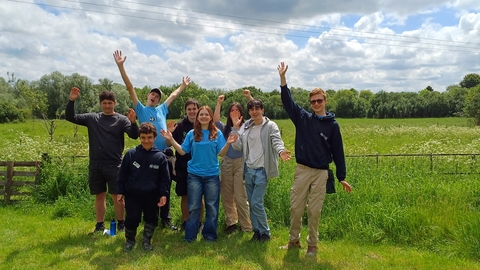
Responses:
[18,174]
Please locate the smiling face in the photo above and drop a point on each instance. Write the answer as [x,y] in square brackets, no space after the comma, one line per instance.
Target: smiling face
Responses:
[147,140]
[192,111]
[317,102]
[204,118]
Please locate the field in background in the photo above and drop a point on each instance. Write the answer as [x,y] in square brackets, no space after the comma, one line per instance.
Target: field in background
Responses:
[399,202]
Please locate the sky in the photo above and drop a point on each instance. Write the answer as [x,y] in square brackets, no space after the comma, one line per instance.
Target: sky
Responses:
[389,45]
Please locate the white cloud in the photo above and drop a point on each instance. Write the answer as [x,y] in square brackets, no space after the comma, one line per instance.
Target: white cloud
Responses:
[224,44]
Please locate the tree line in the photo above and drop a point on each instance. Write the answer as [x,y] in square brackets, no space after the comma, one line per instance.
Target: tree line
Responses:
[47,97]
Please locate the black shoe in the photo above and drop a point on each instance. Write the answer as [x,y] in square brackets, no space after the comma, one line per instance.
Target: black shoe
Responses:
[256,236]
[99,228]
[121,226]
[231,229]
[167,223]
[264,238]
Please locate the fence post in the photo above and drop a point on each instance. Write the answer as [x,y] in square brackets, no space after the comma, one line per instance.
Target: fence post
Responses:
[376,157]
[431,162]
[8,184]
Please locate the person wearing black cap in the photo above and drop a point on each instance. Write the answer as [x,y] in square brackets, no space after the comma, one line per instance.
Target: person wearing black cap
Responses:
[153,113]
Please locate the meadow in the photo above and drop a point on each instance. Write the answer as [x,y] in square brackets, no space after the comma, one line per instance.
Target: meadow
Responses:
[405,212]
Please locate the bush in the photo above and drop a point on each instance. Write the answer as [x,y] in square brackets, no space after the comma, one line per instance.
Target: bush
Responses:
[58,179]
[10,113]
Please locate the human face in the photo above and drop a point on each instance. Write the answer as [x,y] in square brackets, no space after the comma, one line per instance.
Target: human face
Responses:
[147,140]
[234,113]
[256,114]
[108,106]
[317,102]
[153,99]
[204,118]
[191,112]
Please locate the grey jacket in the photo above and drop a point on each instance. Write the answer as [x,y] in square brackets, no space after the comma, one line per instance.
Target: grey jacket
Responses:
[271,142]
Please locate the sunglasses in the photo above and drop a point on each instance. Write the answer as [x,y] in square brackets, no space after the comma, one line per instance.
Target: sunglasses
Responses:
[319,101]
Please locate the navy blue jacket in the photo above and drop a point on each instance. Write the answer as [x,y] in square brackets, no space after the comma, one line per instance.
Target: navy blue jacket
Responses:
[144,173]
[318,141]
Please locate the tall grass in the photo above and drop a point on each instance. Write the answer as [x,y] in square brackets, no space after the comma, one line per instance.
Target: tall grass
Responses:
[401,201]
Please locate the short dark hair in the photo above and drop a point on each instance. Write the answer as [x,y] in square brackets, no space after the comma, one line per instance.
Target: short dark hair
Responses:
[106,95]
[255,103]
[147,128]
[192,101]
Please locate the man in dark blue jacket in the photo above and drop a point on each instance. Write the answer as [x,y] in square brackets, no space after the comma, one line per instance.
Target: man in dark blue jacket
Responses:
[144,184]
[318,142]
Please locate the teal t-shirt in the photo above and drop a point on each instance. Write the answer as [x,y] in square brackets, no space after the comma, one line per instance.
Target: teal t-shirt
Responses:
[157,116]
[204,153]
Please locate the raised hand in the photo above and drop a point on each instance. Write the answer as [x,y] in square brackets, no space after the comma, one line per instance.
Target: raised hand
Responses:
[282,69]
[247,94]
[166,134]
[220,99]
[236,118]
[232,138]
[74,93]
[171,126]
[132,115]
[119,59]
[285,155]
[185,81]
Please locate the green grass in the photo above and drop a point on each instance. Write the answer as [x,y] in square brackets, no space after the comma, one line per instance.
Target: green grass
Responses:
[403,213]
[32,239]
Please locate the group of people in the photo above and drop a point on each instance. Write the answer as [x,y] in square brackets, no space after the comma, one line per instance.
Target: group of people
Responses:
[250,149]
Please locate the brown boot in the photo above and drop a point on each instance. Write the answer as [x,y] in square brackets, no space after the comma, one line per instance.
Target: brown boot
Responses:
[292,244]
[312,250]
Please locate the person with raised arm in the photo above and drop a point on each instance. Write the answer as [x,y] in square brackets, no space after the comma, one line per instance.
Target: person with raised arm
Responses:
[318,142]
[106,144]
[155,113]
[232,186]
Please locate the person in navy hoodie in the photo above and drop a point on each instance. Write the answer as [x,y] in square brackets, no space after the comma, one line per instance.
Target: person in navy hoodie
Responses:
[143,183]
[318,142]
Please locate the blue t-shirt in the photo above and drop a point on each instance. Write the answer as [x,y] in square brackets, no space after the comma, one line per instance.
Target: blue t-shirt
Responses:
[204,153]
[157,116]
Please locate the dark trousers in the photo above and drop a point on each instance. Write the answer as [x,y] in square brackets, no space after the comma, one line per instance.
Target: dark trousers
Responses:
[135,205]
[164,211]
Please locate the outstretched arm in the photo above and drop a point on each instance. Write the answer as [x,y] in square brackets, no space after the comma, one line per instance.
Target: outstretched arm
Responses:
[282,69]
[247,94]
[218,108]
[168,136]
[119,59]
[176,93]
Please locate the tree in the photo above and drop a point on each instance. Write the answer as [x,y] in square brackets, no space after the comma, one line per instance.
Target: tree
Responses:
[470,80]
[472,104]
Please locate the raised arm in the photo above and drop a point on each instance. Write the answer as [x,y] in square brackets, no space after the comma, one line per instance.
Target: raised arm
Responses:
[282,69]
[218,108]
[168,136]
[176,93]
[247,94]
[119,59]
[70,110]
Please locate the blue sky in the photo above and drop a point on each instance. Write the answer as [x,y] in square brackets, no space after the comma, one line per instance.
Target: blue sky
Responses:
[373,44]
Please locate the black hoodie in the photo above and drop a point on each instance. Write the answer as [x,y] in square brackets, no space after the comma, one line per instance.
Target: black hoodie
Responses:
[144,173]
[318,141]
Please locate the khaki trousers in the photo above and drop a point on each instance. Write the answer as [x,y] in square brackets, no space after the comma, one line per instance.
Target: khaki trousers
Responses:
[308,190]
[234,195]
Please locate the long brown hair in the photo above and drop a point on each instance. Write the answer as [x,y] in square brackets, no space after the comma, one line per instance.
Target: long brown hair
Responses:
[197,127]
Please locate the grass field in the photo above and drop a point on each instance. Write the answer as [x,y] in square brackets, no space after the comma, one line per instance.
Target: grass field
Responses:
[411,212]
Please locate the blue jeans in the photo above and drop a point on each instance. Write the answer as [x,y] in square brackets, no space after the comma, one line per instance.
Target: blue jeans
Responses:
[209,188]
[256,186]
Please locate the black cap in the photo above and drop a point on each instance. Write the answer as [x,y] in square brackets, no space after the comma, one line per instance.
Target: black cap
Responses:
[156,90]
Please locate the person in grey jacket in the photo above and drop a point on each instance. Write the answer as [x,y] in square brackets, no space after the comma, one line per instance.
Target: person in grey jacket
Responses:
[261,143]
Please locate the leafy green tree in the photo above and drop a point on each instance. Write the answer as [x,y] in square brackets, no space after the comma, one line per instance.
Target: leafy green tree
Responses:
[470,80]
[472,104]
[455,95]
